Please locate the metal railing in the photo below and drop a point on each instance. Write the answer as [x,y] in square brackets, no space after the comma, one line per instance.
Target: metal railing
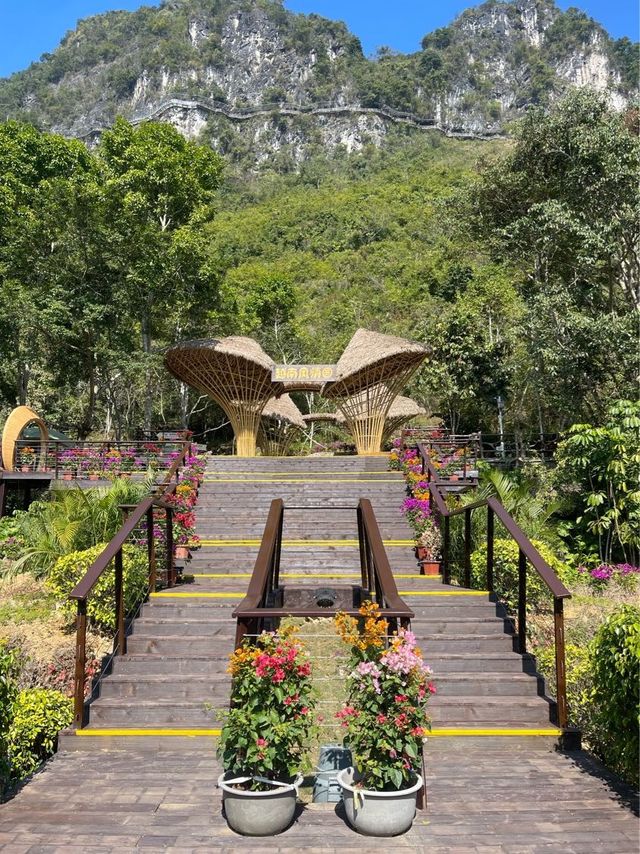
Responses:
[527,553]
[113,553]
[377,578]
[94,460]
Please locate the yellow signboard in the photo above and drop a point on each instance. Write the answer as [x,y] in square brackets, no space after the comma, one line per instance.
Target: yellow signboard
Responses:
[301,373]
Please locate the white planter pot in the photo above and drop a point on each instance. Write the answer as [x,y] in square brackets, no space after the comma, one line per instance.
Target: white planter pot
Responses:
[259,813]
[378,813]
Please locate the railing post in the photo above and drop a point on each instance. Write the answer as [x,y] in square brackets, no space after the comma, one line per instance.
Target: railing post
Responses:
[489,549]
[561,676]
[278,551]
[81,663]
[171,571]
[363,555]
[151,551]
[120,645]
[522,602]
[56,458]
[467,548]
[446,540]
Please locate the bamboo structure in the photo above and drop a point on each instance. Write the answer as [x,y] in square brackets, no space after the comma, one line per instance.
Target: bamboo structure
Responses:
[402,409]
[281,421]
[233,371]
[18,420]
[372,371]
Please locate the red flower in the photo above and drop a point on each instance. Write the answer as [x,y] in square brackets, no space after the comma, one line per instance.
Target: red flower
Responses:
[381,719]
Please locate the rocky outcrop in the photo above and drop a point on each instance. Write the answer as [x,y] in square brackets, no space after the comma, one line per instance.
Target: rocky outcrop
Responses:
[254,76]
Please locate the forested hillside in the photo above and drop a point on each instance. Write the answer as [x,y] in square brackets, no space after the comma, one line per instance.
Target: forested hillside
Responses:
[514,261]
[257,80]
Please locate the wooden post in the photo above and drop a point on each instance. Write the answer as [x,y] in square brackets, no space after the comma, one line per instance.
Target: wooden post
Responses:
[446,569]
[3,497]
[278,551]
[151,551]
[467,548]
[522,602]
[120,643]
[171,570]
[363,557]
[81,663]
[489,549]
[561,676]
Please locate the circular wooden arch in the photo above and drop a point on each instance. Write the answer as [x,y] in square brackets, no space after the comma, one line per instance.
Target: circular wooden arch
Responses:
[19,419]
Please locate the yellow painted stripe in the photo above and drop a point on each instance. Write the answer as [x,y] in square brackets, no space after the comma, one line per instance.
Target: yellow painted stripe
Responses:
[503,731]
[413,575]
[190,733]
[291,543]
[443,592]
[297,480]
[169,594]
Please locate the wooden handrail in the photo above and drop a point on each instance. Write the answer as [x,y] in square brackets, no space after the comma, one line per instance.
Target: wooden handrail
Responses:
[100,564]
[526,552]
[384,576]
[113,552]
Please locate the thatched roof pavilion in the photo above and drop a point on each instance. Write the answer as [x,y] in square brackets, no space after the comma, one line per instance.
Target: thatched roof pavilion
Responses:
[371,372]
[326,417]
[402,409]
[236,373]
[280,421]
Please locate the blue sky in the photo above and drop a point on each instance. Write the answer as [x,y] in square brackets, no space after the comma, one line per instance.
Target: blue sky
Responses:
[29,28]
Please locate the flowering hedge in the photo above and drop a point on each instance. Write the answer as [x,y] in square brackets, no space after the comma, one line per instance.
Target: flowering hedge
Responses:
[417,506]
[386,710]
[272,705]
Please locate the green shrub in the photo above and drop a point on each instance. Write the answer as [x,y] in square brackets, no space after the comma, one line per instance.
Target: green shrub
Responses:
[8,692]
[505,573]
[615,654]
[38,716]
[69,569]
[579,675]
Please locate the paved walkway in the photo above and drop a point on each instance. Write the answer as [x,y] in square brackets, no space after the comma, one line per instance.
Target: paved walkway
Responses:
[509,798]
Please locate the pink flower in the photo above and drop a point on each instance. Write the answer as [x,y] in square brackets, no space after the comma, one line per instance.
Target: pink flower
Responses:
[261,742]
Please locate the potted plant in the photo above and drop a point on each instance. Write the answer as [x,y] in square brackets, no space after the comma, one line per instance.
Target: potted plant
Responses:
[386,721]
[428,548]
[264,733]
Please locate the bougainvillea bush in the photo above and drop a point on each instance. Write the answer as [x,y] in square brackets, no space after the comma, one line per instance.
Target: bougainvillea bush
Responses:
[385,716]
[272,709]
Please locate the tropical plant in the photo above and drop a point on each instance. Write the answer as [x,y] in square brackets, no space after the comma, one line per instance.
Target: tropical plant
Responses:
[8,691]
[69,569]
[271,714]
[38,716]
[69,520]
[505,573]
[599,477]
[385,716]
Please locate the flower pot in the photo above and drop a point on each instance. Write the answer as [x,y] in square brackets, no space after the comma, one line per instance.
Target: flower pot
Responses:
[259,813]
[378,813]
[422,553]
[182,553]
[429,567]
[93,475]
[67,475]
[25,469]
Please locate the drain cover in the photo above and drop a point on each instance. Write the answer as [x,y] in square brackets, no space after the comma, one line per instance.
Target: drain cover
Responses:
[326,597]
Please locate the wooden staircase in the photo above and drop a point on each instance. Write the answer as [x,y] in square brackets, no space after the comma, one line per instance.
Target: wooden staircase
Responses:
[168,686]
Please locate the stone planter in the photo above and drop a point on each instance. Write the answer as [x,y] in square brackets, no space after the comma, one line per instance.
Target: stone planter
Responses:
[259,813]
[378,813]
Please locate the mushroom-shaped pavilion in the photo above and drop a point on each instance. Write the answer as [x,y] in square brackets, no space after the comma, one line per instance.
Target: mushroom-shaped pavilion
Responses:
[402,409]
[236,373]
[281,420]
[371,372]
